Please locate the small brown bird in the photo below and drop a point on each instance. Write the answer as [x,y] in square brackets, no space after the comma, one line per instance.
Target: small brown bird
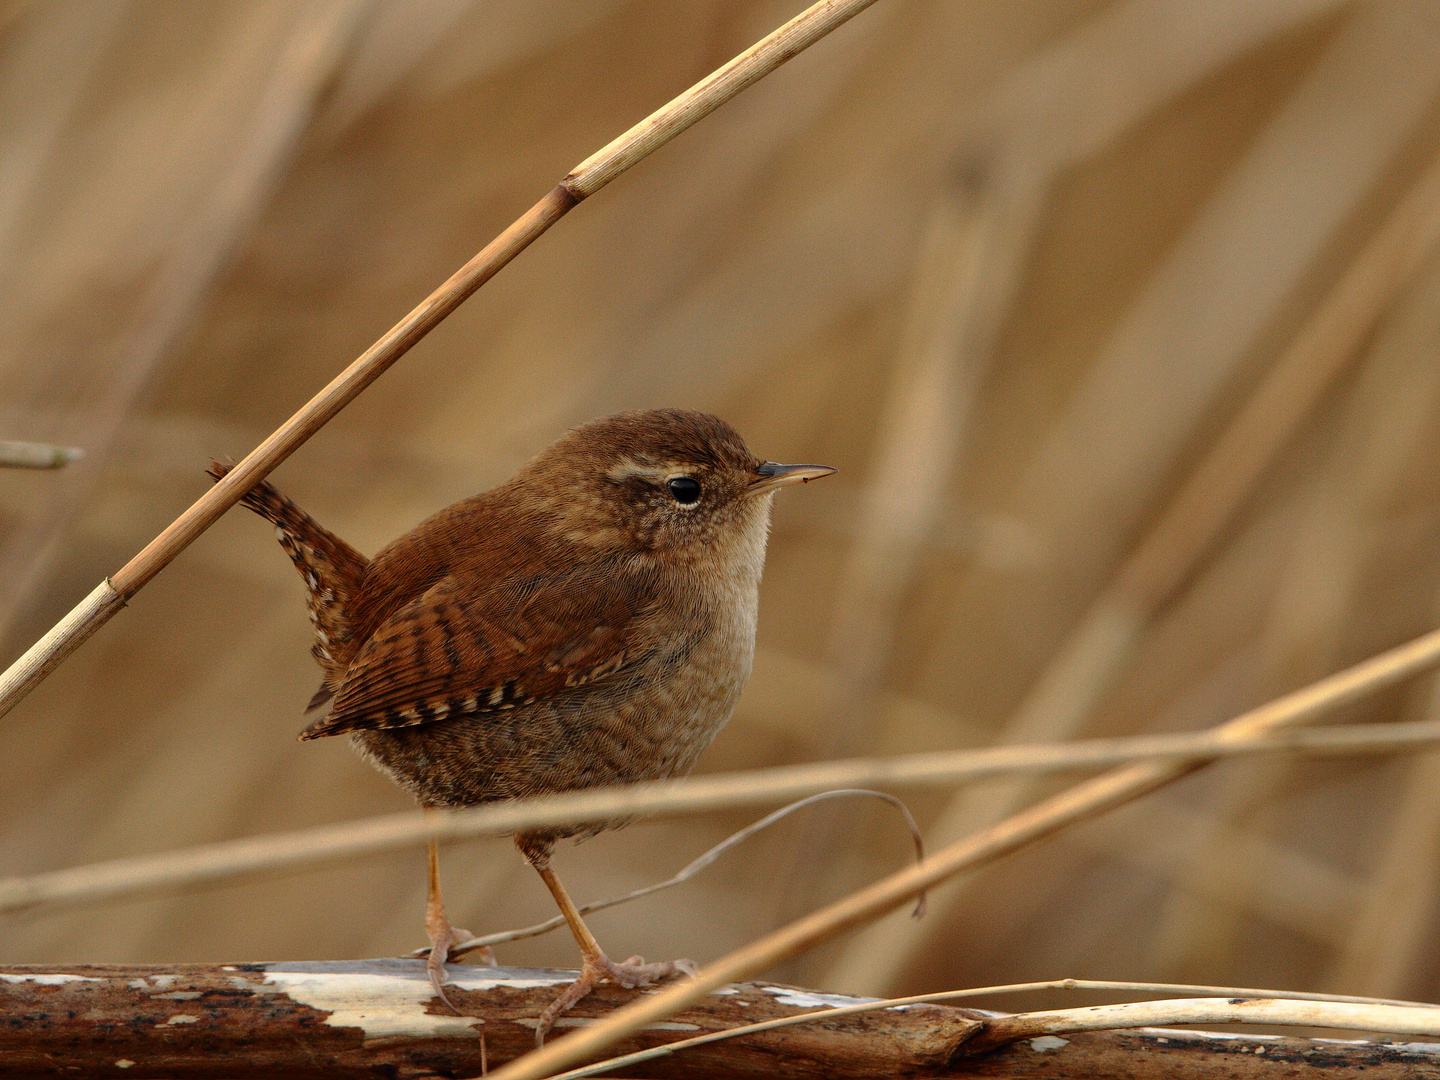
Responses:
[589,622]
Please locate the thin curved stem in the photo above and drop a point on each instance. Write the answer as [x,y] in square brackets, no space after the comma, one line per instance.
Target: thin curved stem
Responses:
[696,865]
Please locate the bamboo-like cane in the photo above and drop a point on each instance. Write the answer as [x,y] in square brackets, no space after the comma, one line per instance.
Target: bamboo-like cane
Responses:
[211,863]
[1392,1019]
[584,180]
[1076,804]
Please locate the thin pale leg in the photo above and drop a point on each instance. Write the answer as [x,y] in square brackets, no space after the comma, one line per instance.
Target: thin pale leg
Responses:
[442,935]
[595,966]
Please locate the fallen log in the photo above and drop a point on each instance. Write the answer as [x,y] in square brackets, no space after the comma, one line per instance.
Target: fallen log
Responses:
[378,1018]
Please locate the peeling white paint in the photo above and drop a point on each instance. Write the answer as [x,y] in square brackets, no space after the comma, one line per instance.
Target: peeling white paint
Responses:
[385,999]
[177,995]
[124,1063]
[1048,1042]
[156,982]
[474,977]
[56,979]
[1180,1035]
[803,999]
[180,1018]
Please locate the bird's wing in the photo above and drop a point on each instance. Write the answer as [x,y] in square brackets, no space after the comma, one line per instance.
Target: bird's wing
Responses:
[464,649]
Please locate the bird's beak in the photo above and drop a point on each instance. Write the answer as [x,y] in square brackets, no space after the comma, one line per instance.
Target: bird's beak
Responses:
[773,475]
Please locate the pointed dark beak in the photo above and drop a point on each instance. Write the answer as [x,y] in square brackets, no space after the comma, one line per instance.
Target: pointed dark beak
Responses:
[773,475]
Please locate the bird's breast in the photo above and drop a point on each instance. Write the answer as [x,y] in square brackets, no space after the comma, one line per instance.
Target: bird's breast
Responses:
[699,695]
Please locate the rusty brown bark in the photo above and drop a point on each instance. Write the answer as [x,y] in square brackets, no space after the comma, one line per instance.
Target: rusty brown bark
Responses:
[378,1018]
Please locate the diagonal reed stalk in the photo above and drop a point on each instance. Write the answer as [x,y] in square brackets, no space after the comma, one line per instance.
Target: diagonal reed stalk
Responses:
[584,180]
[1075,804]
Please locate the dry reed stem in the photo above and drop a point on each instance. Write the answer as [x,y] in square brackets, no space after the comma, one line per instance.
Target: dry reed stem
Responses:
[1392,926]
[1384,428]
[33,455]
[584,180]
[210,863]
[1079,803]
[1288,394]
[1392,1019]
[1385,423]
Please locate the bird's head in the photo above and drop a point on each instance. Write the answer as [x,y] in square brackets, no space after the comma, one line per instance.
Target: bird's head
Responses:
[664,481]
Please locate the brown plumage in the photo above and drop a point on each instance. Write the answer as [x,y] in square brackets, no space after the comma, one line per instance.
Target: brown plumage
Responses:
[589,622]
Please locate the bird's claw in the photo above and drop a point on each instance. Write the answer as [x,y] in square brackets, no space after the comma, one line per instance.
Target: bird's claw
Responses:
[443,938]
[630,974]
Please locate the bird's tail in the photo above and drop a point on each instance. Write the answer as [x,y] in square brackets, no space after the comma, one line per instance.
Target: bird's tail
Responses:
[333,572]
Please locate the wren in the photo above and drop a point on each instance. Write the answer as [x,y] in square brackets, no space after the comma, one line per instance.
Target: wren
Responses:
[589,622]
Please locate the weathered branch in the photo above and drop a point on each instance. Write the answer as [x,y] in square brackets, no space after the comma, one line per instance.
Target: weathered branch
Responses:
[378,1018]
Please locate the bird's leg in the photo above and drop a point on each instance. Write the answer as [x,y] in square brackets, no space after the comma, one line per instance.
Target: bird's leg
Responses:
[442,935]
[595,965]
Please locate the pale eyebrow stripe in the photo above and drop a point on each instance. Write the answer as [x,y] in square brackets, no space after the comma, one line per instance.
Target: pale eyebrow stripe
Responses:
[628,467]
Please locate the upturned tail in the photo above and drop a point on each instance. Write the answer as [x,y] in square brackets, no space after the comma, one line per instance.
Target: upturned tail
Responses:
[333,573]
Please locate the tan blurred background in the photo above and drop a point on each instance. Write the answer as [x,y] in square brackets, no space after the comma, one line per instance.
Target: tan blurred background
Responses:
[1014,267]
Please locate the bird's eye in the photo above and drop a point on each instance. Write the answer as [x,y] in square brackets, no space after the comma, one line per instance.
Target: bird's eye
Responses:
[684,489]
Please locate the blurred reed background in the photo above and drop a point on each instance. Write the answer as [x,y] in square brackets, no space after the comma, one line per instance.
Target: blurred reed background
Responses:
[1059,286]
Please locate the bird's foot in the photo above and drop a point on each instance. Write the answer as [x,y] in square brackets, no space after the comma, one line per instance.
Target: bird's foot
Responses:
[484,954]
[635,972]
[631,974]
[443,938]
